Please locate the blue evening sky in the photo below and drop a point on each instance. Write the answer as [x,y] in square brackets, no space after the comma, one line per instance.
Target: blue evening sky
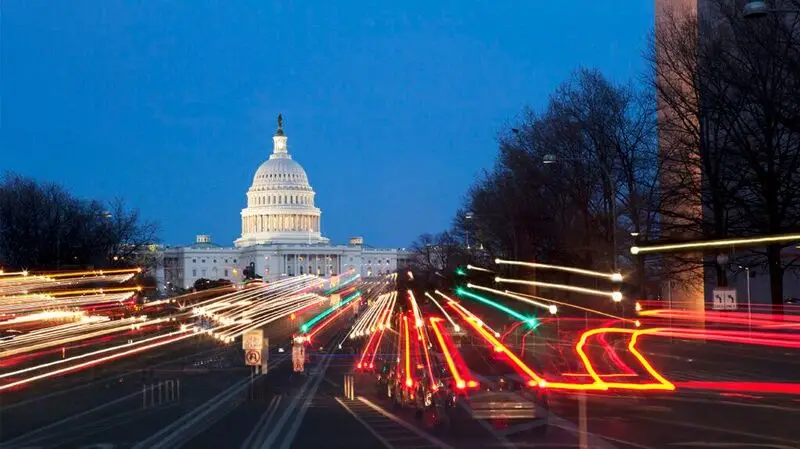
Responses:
[392,107]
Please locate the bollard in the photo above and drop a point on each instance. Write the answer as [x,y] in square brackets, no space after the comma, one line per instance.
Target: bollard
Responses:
[160,401]
[349,386]
[170,391]
[144,396]
[152,394]
[178,388]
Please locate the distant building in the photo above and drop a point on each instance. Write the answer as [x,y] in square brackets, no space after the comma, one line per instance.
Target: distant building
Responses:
[281,234]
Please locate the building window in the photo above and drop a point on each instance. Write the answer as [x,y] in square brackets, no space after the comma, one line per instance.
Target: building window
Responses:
[194,273]
[301,269]
[203,260]
[234,260]
[204,272]
[215,260]
[226,272]
[194,260]
[226,260]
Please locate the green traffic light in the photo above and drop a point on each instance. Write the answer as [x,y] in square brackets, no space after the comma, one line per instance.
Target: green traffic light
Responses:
[461,272]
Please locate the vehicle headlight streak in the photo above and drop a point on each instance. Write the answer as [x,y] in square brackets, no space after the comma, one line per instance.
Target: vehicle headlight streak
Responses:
[500,347]
[407,347]
[452,358]
[589,291]
[305,327]
[135,348]
[615,277]
[463,309]
[365,322]
[444,312]
[329,320]
[549,307]
[715,244]
[415,308]
[531,321]
[59,337]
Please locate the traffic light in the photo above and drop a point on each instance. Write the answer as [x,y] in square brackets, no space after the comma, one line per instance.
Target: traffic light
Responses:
[461,271]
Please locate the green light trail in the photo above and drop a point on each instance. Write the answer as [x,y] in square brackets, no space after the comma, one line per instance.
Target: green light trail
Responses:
[531,321]
[305,327]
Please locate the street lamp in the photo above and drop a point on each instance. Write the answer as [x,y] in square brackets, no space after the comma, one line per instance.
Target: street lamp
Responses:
[749,314]
[468,216]
[755,9]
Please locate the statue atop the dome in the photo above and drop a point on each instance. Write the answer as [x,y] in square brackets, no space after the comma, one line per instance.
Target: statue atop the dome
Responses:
[279,132]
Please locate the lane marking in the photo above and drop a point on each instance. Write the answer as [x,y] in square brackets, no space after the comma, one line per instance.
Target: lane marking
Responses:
[364,423]
[722,444]
[27,436]
[262,422]
[168,432]
[266,444]
[595,441]
[289,438]
[716,429]
[431,438]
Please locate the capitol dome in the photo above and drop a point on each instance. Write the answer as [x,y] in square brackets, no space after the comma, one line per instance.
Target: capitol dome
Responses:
[280,202]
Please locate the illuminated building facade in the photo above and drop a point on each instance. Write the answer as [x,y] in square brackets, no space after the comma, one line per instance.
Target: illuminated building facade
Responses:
[281,234]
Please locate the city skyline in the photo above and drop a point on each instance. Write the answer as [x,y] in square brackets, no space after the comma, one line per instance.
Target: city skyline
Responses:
[101,98]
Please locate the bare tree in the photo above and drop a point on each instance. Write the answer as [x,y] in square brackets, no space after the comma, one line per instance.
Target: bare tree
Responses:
[604,178]
[44,226]
[728,90]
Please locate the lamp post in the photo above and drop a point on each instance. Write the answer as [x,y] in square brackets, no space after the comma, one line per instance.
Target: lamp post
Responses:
[755,9]
[749,314]
[468,216]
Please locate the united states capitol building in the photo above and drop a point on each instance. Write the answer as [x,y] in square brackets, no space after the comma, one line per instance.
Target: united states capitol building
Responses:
[281,235]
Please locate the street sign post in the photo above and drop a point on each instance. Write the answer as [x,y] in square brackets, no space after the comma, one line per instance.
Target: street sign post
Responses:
[724,299]
[252,357]
[253,339]
[298,357]
[264,355]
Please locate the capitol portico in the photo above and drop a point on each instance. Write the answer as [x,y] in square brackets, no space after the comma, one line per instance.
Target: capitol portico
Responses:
[281,234]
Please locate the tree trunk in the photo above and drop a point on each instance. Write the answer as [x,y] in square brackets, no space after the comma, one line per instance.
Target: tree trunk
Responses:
[775,278]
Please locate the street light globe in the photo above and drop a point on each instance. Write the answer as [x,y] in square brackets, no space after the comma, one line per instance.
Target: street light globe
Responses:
[616,296]
[616,277]
[755,9]
[553,309]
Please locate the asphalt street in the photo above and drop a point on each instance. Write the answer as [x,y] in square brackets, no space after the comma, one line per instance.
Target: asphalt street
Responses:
[198,394]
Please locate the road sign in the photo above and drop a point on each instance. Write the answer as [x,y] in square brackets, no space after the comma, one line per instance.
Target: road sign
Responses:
[252,357]
[298,357]
[264,356]
[253,339]
[724,299]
